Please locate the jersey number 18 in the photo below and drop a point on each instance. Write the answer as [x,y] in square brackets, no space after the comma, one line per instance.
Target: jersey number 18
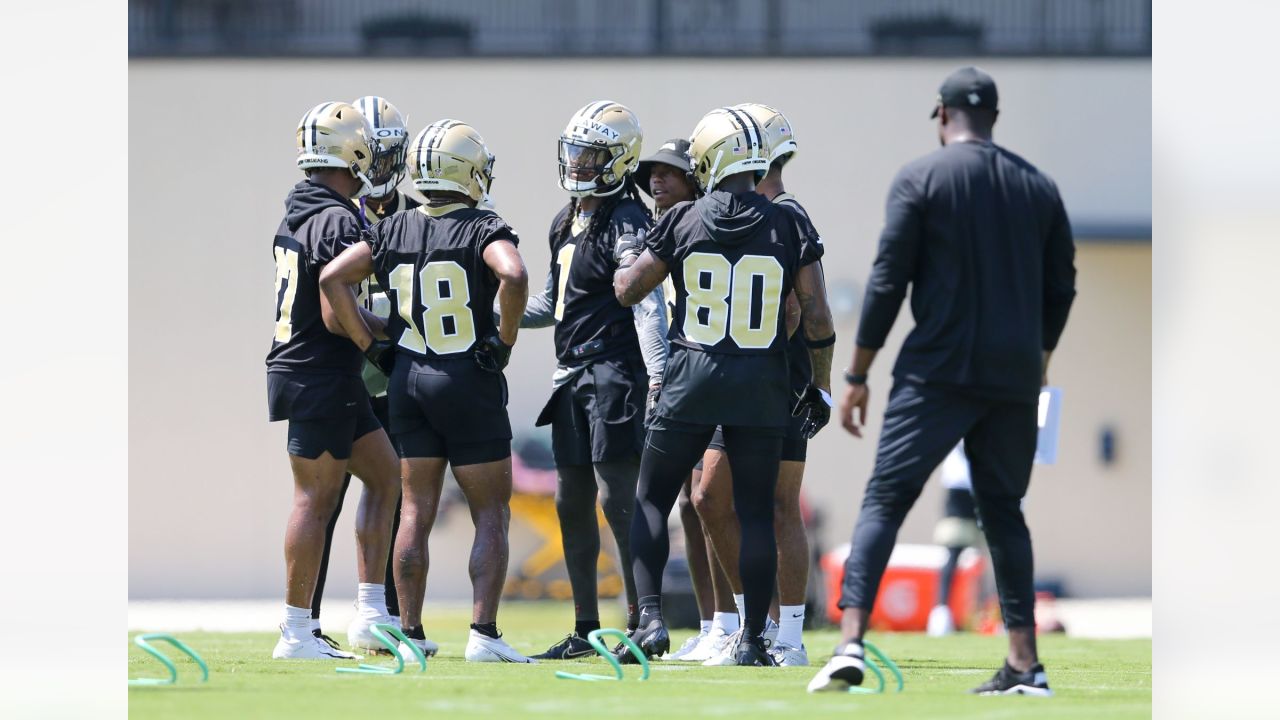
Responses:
[447,324]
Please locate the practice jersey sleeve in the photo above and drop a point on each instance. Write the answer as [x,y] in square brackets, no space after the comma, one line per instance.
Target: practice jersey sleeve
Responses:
[661,241]
[895,261]
[338,231]
[1059,275]
[811,249]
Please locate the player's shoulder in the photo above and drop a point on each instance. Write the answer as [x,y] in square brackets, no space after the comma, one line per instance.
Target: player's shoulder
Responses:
[630,215]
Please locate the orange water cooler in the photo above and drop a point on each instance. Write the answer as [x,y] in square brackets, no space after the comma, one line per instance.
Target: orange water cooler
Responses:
[910,586]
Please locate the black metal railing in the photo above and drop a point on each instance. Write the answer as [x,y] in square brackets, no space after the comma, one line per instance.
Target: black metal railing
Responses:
[635,28]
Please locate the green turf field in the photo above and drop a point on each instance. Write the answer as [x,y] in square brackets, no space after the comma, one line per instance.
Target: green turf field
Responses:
[1092,679]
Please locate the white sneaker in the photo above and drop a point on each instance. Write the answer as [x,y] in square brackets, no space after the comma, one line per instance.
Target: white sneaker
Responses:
[771,629]
[360,632]
[842,671]
[940,622]
[789,655]
[725,656]
[708,646]
[428,649]
[482,648]
[306,647]
[689,646]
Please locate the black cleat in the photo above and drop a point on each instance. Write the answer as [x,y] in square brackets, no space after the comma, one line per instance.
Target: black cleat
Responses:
[572,647]
[652,639]
[753,652]
[1008,681]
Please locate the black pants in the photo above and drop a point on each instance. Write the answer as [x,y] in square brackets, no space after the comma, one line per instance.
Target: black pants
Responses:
[921,425]
[669,457]
[393,601]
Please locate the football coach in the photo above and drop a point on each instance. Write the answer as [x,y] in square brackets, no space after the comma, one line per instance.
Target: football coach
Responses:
[981,237]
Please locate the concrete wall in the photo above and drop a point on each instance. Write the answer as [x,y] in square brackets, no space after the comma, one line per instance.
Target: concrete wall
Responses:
[212,158]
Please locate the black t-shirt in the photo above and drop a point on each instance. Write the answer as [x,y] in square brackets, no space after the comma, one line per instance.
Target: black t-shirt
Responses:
[797,351]
[582,268]
[319,224]
[732,260]
[440,288]
[983,239]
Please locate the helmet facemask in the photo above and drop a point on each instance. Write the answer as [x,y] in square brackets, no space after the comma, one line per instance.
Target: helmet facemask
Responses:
[388,168]
[587,168]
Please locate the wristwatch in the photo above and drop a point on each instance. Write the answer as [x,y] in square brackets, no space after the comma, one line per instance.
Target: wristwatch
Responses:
[852,379]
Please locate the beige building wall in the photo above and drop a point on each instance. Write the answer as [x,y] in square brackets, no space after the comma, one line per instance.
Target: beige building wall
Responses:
[211,159]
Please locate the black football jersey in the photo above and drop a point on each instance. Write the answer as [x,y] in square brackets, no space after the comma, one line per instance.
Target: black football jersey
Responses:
[434,273]
[732,260]
[797,351]
[582,268]
[319,224]
[402,201]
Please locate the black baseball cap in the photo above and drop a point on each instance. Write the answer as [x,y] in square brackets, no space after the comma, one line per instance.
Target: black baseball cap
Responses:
[673,152]
[967,87]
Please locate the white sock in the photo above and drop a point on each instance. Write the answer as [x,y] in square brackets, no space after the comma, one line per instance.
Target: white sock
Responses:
[297,621]
[741,602]
[315,625]
[371,599]
[791,625]
[727,622]
[704,627]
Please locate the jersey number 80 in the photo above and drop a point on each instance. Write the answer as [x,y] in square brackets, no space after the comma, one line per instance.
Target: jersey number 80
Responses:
[447,324]
[720,298]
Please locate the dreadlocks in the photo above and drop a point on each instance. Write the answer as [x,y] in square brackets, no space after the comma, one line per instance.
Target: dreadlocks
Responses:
[602,213]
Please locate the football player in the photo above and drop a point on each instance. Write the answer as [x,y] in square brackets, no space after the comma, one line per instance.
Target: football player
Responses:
[446,263]
[667,176]
[714,494]
[313,379]
[610,358]
[734,258]
[391,140]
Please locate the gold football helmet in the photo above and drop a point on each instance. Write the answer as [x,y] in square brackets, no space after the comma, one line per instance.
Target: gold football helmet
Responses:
[392,140]
[451,156]
[336,135]
[778,136]
[727,141]
[598,149]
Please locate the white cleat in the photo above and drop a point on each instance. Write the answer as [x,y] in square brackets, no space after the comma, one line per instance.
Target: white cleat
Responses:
[426,647]
[709,646]
[771,629]
[689,646]
[482,648]
[789,655]
[307,647]
[360,632]
[725,656]
[940,622]
[842,671]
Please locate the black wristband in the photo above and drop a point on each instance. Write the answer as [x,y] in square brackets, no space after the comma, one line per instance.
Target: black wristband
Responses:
[819,344]
[854,379]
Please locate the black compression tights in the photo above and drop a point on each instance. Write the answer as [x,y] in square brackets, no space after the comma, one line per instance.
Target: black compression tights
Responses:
[668,458]
[576,506]
[393,600]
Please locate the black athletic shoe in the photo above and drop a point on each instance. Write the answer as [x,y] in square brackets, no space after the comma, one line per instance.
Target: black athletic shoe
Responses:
[753,652]
[572,647]
[1008,681]
[621,648]
[332,643]
[652,639]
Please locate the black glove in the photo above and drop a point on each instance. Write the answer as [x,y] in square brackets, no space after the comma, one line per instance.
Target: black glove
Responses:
[651,405]
[492,354]
[382,355]
[814,405]
[628,249]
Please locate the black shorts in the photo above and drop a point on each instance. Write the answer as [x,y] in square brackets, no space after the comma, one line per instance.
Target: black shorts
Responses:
[598,416]
[448,409]
[326,413]
[795,448]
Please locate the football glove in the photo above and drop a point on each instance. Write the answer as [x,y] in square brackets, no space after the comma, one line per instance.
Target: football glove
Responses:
[628,249]
[382,355]
[814,405]
[492,354]
[651,405]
